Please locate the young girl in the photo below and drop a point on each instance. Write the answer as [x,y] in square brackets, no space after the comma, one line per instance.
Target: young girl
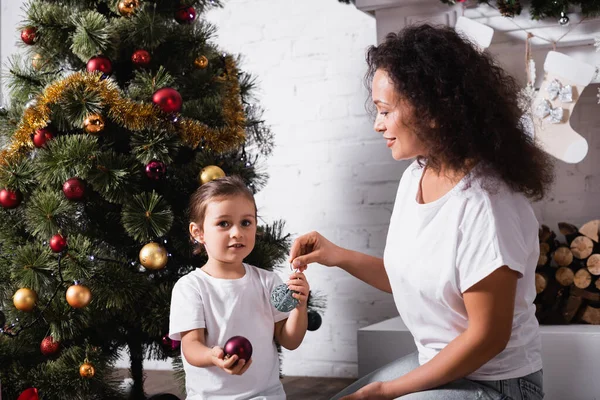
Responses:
[227,298]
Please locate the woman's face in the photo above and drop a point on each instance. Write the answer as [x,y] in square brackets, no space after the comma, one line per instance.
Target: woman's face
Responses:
[393,114]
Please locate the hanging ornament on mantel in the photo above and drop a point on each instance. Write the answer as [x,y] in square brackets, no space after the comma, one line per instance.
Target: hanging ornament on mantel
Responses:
[564,19]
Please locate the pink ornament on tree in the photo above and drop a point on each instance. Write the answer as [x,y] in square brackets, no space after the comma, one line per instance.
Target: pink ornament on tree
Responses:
[156,170]
[170,344]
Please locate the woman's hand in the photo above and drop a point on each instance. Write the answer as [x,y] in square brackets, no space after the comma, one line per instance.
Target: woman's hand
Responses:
[312,247]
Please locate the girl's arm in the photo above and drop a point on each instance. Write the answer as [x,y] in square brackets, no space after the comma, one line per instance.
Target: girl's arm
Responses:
[199,355]
[290,332]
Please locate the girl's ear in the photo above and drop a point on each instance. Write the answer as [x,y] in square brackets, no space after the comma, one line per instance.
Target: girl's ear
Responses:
[196,232]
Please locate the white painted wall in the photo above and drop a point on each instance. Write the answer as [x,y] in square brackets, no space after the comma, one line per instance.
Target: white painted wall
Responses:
[330,172]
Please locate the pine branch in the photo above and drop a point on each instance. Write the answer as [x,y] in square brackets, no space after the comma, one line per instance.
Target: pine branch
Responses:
[154,145]
[147,217]
[20,176]
[145,83]
[92,35]
[66,157]
[112,176]
[45,212]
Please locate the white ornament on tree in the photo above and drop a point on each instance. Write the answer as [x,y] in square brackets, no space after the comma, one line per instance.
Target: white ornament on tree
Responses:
[563,83]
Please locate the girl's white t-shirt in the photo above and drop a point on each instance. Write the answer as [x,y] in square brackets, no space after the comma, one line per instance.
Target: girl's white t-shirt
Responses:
[436,251]
[227,308]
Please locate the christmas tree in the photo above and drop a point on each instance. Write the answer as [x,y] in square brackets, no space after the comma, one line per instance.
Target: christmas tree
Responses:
[117,111]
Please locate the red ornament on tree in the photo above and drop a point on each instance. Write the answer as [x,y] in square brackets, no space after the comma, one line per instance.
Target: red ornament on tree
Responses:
[169,100]
[99,63]
[58,243]
[185,14]
[141,58]
[170,344]
[41,136]
[74,189]
[49,346]
[10,198]
[29,394]
[156,170]
[239,346]
[28,35]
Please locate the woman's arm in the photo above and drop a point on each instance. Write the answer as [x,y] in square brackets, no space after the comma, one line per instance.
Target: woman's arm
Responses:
[312,247]
[490,307]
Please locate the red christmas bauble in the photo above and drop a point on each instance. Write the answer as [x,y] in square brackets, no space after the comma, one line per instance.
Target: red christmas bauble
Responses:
[156,170]
[99,63]
[185,14]
[169,100]
[239,346]
[170,344]
[29,394]
[74,189]
[141,58]
[41,136]
[49,346]
[28,35]
[58,243]
[10,198]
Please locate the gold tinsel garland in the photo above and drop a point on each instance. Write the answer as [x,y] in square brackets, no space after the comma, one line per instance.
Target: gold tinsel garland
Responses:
[135,116]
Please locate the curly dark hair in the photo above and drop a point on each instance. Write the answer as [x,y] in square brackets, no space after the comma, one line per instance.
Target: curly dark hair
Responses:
[466,106]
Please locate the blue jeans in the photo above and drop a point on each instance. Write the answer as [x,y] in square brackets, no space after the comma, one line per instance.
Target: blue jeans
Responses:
[525,388]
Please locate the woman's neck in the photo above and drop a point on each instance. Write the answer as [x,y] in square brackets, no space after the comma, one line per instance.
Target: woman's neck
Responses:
[221,270]
[436,183]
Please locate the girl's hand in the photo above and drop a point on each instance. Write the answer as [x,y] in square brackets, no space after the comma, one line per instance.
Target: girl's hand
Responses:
[299,284]
[228,364]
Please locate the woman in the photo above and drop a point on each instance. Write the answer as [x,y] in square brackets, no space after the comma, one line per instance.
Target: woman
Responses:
[462,244]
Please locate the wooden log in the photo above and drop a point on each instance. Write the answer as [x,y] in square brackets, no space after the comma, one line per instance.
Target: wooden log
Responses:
[542,260]
[590,229]
[569,230]
[583,278]
[573,304]
[597,284]
[541,282]
[593,264]
[544,248]
[545,234]
[591,315]
[565,276]
[582,247]
[563,256]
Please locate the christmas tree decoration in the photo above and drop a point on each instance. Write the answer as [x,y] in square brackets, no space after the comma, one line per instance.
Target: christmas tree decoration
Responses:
[25,299]
[10,198]
[282,299]
[128,7]
[167,99]
[78,295]
[141,58]
[169,344]
[37,61]
[48,346]
[509,8]
[185,14]
[99,63]
[28,35]
[210,173]
[41,136]
[58,243]
[201,62]
[239,346]
[564,19]
[156,170]
[87,370]
[74,189]
[29,394]
[563,83]
[93,124]
[314,321]
[153,256]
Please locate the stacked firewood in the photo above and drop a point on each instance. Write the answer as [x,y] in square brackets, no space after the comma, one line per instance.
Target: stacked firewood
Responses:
[567,278]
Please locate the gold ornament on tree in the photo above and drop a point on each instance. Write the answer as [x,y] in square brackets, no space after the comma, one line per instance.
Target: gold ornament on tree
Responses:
[86,370]
[24,299]
[78,296]
[93,124]
[201,62]
[153,256]
[128,7]
[37,61]
[210,173]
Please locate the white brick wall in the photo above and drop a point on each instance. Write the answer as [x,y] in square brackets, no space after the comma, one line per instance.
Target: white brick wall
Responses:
[329,170]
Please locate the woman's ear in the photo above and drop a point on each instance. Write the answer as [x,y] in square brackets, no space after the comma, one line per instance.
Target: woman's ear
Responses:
[196,232]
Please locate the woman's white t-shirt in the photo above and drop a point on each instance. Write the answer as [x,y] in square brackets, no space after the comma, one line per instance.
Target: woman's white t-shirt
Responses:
[227,308]
[436,251]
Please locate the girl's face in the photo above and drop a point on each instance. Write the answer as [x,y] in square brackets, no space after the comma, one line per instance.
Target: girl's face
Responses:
[392,114]
[229,229]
